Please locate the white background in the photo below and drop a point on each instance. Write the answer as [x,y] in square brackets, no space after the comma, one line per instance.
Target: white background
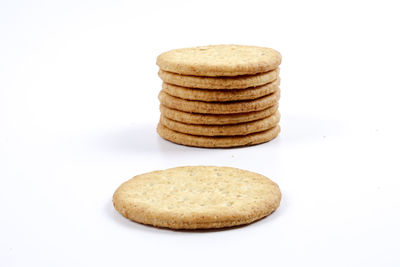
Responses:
[78,111]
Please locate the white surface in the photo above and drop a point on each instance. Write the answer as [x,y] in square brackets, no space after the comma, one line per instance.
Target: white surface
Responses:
[78,111]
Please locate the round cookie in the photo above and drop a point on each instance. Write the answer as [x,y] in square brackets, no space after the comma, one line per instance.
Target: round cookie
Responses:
[197,197]
[221,95]
[221,83]
[218,107]
[217,141]
[220,60]
[216,119]
[223,130]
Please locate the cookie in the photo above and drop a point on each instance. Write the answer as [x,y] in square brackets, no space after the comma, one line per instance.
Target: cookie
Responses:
[221,95]
[219,107]
[220,60]
[216,119]
[197,197]
[222,130]
[236,82]
[217,141]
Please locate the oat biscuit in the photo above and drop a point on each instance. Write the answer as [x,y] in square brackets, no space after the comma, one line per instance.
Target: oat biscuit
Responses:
[217,141]
[221,95]
[216,119]
[236,82]
[222,130]
[197,197]
[218,107]
[219,60]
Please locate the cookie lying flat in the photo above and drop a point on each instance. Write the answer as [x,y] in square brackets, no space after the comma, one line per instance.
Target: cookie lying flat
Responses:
[222,130]
[220,60]
[197,197]
[216,119]
[237,82]
[218,107]
[217,141]
[221,95]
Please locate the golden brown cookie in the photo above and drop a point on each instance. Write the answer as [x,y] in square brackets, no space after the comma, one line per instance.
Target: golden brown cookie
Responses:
[197,197]
[220,60]
[219,107]
[217,141]
[216,119]
[222,130]
[219,83]
[221,95]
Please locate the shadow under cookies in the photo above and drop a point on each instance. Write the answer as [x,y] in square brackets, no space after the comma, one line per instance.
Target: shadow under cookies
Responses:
[140,138]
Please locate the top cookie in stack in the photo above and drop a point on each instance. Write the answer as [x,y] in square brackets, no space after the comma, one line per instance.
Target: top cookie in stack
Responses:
[219,95]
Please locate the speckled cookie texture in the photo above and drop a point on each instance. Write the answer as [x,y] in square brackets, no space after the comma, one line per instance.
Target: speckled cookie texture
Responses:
[216,119]
[221,95]
[217,141]
[219,60]
[219,107]
[222,130]
[220,83]
[197,197]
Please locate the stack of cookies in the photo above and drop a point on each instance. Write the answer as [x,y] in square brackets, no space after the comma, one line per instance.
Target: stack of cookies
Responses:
[219,96]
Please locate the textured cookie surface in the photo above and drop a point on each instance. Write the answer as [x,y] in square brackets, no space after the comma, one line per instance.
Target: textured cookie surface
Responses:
[219,107]
[216,119]
[220,95]
[196,197]
[236,82]
[217,141]
[222,130]
[219,60]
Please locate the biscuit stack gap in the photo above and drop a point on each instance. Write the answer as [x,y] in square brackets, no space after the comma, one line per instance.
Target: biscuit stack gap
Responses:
[219,96]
